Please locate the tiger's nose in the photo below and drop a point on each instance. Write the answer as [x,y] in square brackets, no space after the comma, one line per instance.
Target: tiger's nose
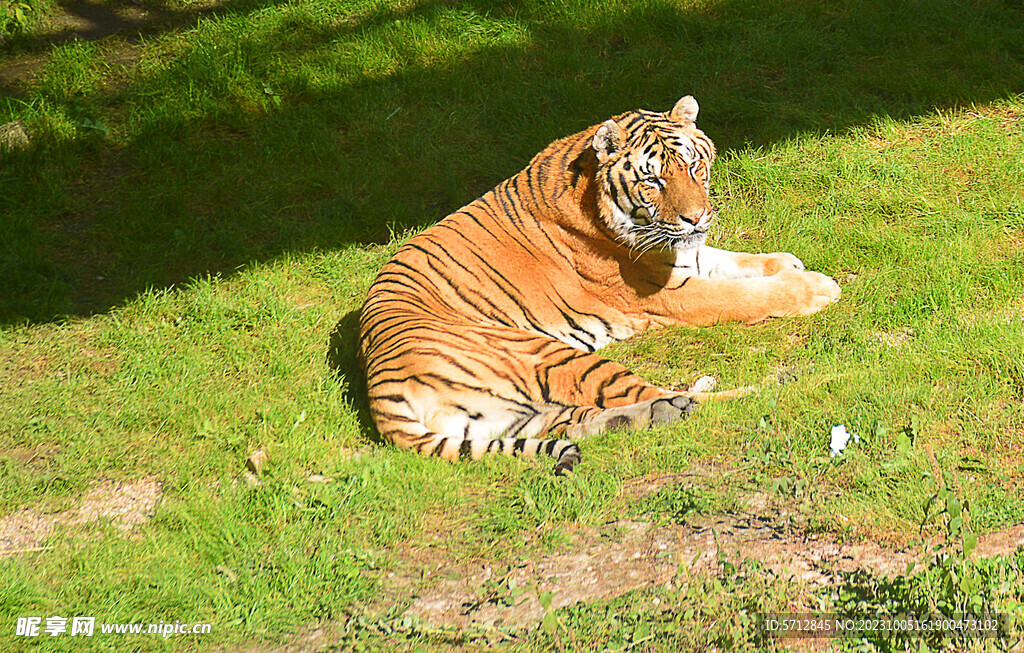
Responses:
[700,219]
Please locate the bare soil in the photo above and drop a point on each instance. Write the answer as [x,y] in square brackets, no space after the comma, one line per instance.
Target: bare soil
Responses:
[124,505]
[625,555]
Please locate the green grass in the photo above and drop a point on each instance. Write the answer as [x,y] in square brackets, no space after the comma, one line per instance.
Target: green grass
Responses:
[189,237]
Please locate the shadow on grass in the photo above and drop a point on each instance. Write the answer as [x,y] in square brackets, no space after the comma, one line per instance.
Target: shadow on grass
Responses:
[135,20]
[304,131]
[342,360]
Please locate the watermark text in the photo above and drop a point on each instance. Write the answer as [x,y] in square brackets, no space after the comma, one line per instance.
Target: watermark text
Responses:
[57,626]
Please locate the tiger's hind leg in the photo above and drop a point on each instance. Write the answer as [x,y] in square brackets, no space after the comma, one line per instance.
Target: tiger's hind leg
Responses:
[536,397]
[652,412]
[529,430]
[575,422]
[579,422]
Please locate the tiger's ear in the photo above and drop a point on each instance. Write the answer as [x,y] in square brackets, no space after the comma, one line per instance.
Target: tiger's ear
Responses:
[607,140]
[685,110]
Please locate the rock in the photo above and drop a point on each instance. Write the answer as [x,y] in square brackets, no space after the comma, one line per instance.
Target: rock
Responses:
[318,478]
[256,461]
[13,137]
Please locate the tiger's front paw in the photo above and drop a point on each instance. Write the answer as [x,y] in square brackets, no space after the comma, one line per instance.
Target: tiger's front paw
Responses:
[778,262]
[806,292]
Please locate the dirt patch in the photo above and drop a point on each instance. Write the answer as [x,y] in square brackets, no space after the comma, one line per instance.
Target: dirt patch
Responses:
[36,457]
[641,556]
[627,555]
[610,560]
[125,505]
[1009,118]
[891,339]
[17,72]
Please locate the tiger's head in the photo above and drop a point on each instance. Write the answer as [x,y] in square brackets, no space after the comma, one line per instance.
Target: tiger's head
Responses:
[653,177]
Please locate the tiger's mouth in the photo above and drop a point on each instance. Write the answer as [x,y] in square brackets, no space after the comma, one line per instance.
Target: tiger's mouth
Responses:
[694,239]
[660,236]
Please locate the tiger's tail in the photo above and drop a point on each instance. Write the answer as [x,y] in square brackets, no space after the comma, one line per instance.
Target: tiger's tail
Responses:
[565,452]
[466,434]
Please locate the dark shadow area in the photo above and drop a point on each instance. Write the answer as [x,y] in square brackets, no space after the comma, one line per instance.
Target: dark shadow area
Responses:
[130,22]
[134,20]
[343,362]
[318,132]
[81,19]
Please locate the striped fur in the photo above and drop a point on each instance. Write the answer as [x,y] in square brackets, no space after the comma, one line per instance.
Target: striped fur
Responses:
[479,334]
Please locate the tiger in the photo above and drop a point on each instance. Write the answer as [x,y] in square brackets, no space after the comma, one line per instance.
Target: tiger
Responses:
[479,335]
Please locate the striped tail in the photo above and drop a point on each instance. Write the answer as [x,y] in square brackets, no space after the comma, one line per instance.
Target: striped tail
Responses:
[565,452]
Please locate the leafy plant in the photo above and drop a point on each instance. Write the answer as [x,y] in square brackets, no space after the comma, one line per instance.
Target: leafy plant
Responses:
[15,16]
